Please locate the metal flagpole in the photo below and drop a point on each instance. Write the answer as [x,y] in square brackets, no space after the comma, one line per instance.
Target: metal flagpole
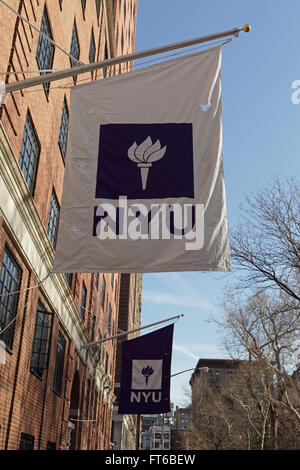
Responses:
[88,345]
[31,82]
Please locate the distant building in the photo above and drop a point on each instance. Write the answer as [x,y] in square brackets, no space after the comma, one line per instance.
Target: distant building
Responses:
[146,440]
[220,370]
[180,429]
[182,417]
[160,438]
[149,420]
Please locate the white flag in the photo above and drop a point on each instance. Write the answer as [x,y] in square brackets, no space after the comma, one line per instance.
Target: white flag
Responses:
[144,185]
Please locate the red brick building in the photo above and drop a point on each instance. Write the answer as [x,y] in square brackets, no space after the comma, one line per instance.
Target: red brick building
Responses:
[126,431]
[53,394]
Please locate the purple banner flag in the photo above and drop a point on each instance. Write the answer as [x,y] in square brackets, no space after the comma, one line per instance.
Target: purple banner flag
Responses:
[146,370]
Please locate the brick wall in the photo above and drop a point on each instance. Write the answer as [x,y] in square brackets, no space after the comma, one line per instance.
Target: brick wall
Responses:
[28,403]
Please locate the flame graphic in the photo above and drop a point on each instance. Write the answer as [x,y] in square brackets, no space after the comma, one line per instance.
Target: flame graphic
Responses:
[147,371]
[144,155]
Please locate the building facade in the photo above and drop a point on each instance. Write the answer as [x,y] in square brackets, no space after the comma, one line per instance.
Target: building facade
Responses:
[126,434]
[160,437]
[219,372]
[53,393]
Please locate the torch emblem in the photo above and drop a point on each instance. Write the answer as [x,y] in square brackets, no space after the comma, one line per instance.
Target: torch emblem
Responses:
[144,155]
[147,371]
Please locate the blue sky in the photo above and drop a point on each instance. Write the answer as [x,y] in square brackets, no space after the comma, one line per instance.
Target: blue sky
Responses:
[261,136]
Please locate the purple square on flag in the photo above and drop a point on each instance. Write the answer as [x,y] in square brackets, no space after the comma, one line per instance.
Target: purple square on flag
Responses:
[145,161]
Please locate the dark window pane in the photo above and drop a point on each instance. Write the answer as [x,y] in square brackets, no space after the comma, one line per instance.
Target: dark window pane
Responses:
[59,365]
[106,363]
[63,132]
[41,341]
[103,292]
[83,301]
[74,50]
[26,442]
[98,3]
[109,318]
[93,327]
[30,151]
[45,50]
[83,4]
[87,400]
[51,445]
[92,51]
[104,70]
[95,406]
[69,277]
[10,280]
[53,220]
[100,346]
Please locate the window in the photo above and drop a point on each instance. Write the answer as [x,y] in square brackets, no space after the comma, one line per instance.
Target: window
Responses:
[53,220]
[210,376]
[83,301]
[98,3]
[104,70]
[122,41]
[95,407]
[51,445]
[30,151]
[106,363]
[97,280]
[59,364]
[93,327]
[112,280]
[63,131]
[26,442]
[92,51]
[10,281]
[100,346]
[117,36]
[87,399]
[103,292]
[109,318]
[83,4]
[74,50]
[217,375]
[69,277]
[45,50]
[41,341]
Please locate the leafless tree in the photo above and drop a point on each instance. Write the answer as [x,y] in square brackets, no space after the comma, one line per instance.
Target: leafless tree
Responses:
[264,331]
[266,244]
[261,329]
